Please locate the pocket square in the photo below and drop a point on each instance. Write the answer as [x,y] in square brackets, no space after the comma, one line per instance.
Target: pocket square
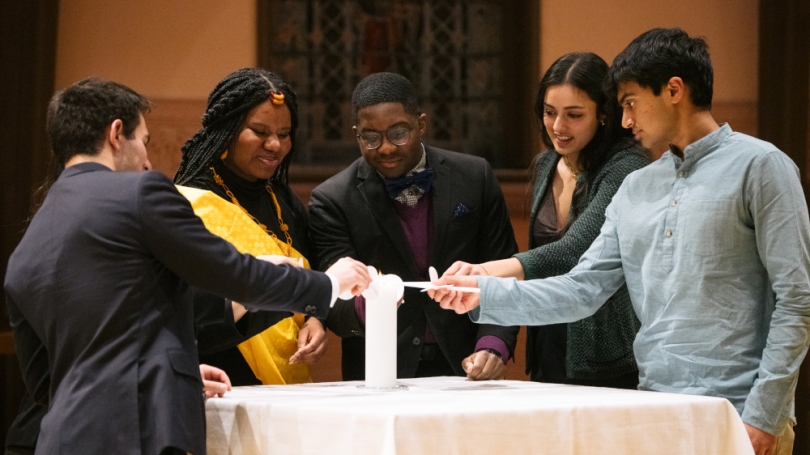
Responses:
[461,211]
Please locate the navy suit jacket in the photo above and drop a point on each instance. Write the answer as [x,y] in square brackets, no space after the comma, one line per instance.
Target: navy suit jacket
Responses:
[100,305]
[352,215]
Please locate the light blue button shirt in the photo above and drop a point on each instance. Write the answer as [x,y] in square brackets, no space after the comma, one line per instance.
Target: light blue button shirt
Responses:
[715,250]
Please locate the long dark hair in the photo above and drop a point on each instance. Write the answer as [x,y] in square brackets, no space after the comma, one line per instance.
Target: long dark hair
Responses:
[586,71]
[227,109]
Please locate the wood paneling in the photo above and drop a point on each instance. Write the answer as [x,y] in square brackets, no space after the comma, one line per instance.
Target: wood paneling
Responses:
[6,344]
[28,55]
[740,115]
[171,123]
[784,72]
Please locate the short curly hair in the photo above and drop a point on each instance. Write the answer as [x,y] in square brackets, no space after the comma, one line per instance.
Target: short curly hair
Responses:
[379,88]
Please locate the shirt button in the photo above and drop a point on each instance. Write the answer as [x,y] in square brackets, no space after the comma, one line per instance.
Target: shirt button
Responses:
[674,203]
[669,233]
[682,174]
[417,341]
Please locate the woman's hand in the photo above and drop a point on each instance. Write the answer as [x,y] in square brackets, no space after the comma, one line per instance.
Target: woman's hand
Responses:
[312,343]
[466,269]
[505,268]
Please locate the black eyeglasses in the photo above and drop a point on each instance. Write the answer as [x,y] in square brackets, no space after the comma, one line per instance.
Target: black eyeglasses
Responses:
[398,135]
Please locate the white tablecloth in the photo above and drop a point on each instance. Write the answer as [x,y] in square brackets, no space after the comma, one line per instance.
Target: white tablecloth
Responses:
[451,415]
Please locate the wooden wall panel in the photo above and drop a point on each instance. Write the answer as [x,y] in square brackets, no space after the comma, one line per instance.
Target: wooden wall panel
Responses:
[28,34]
[784,116]
[171,123]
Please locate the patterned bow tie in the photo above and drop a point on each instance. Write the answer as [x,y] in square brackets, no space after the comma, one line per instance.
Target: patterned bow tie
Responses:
[422,179]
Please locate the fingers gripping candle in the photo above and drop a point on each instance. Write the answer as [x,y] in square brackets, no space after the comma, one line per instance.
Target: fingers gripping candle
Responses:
[381,330]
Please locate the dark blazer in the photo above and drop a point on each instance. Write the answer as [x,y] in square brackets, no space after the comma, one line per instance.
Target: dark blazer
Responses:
[100,305]
[352,215]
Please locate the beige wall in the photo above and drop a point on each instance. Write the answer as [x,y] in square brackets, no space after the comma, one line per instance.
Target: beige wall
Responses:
[606,27]
[179,49]
[161,48]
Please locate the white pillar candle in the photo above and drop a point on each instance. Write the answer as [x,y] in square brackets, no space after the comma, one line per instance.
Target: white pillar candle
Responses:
[381,331]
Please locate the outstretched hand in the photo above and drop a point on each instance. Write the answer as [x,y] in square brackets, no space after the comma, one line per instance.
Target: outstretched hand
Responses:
[460,302]
[464,268]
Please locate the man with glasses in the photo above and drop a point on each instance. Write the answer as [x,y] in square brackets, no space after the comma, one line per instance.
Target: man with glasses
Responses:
[403,207]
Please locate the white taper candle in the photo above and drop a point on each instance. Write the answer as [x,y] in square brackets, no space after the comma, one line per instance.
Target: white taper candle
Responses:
[381,331]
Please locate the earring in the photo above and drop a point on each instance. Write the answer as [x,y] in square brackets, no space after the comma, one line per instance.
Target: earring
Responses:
[602,123]
[224,155]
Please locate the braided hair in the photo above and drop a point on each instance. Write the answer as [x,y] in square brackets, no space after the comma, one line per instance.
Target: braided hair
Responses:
[228,106]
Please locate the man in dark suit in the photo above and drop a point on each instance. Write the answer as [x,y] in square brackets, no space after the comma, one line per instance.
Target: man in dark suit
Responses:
[98,288]
[403,207]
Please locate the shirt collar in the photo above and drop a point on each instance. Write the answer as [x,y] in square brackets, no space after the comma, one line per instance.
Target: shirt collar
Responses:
[700,148]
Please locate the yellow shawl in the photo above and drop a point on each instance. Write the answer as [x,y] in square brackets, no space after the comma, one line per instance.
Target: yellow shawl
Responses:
[267,353]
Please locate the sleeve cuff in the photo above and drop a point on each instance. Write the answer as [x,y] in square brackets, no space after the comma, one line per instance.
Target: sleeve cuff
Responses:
[494,344]
[335,289]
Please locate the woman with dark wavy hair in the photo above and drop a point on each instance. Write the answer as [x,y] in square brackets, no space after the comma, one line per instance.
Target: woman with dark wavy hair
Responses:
[588,154]
[242,154]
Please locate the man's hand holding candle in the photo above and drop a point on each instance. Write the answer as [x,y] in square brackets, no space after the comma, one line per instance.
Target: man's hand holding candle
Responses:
[352,276]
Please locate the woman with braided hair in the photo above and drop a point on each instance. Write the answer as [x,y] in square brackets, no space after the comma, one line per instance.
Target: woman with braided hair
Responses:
[242,155]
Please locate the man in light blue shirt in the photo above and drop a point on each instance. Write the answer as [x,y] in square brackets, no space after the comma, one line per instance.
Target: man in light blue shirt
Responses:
[713,241]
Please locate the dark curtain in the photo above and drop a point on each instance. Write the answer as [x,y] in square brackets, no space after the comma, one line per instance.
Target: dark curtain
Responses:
[28,31]
[784,76]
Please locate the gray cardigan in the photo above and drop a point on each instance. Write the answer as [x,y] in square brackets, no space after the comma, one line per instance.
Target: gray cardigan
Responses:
[600,346]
